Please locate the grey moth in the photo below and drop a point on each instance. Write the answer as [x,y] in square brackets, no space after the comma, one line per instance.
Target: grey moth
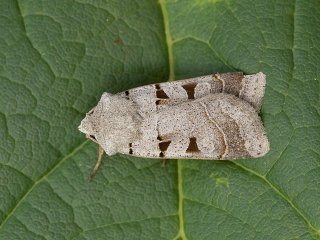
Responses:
[213,117]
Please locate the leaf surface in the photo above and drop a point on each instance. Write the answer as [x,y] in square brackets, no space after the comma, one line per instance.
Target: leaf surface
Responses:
[58,57]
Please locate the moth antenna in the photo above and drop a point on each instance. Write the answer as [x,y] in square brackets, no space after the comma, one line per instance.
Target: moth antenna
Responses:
[98,163]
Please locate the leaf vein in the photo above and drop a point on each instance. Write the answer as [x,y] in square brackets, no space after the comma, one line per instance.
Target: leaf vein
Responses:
[40,179]
[282,195]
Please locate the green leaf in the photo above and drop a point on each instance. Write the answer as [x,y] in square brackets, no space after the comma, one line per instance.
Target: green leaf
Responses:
[58,57]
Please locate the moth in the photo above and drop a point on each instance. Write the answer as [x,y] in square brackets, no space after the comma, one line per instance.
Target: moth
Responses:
[210,117]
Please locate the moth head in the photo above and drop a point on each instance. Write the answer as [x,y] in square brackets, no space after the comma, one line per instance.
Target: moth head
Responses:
[89,125]
[113,123]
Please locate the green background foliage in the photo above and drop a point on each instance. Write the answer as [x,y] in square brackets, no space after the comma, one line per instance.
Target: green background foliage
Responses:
[57,58]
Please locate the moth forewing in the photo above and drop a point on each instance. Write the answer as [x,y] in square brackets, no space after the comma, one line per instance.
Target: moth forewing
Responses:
[154,96]
[217,126]
[210,117]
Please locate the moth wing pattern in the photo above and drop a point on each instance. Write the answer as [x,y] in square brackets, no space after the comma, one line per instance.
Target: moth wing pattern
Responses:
[154,96]
[209,117]
[217,126]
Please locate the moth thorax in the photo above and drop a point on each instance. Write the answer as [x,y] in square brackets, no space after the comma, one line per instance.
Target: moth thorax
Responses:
[122,129]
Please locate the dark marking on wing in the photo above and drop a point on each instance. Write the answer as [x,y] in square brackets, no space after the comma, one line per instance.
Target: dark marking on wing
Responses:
[217,84]
[235,143]
[93,137]
[127,93]
[190,89]
[161,94]
[163,146]
[159,138]
[164,102]
[193,146]
[91,112]
[161,154]
[130,148]
[233,82]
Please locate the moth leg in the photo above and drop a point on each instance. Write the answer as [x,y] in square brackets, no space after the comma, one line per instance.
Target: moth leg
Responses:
[98,163]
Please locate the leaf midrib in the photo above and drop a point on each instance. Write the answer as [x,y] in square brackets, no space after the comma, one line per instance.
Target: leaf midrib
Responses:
[181,233]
